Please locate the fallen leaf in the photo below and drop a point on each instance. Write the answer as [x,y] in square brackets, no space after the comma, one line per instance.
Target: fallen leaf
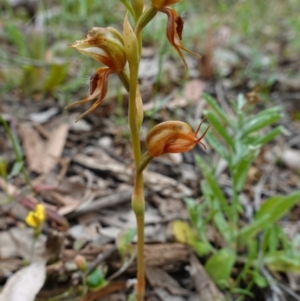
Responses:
[25,284]
[291,158]
[158,278]
[33,147]
[164,295]
[42,117]
[205,287]
[17,242]
[193,89]
[182,232]
[9,265]
[54,147]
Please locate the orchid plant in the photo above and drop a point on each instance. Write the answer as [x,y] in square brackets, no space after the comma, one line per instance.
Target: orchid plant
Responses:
[120,54]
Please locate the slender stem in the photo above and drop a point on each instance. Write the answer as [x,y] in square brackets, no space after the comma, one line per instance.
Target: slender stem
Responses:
[138,199]
[138,205]
[144,19]
[135,135]
[32,248]
[140,288]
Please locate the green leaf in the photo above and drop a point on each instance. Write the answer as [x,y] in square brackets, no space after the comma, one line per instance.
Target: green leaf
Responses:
[252,229]
[271,211]
[17,167]
[16,146]
[224,229]
[243,291]
[17,38]
[277,206]
[240,172]
[241,101]
[219,266]
[201,248]
[58,73]
[261,120]
[193,209]
[131,297]
[212,102]
[269,136]
[215,188]
[96,280]
[124,240]
[3,167]
[217,146]
[220,128]
[283,262]
[259,279]
[271,239]
[128,7]
[14,140]
[182,232]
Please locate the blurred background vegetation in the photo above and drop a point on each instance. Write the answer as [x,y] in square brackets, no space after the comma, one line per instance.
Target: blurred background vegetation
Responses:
[34,37]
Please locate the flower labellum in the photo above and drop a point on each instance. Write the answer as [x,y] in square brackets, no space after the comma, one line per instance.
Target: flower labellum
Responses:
[105,45]
[172,137]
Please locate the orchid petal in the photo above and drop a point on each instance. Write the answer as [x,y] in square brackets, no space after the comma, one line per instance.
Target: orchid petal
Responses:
[175,26]
[98,90]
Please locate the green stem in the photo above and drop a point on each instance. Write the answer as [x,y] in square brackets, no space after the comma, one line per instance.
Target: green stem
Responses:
[138,205]
[134,130]
[144,19]
[128,7]
[140,288]
[138,201]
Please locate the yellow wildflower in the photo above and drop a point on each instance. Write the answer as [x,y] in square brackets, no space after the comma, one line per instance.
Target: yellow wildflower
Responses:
[35,218]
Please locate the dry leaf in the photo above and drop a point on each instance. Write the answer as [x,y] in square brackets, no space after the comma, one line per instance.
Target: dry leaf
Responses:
[205,287]
[54,147]
[159,278]
[182,232]
[193,89]
[17,242]
[291,158]
[42,117]
[25,284]
[33,147]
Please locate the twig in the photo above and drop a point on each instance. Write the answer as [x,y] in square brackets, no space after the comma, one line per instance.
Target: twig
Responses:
[274,286]
[289,291]
[100,258]
[120,197]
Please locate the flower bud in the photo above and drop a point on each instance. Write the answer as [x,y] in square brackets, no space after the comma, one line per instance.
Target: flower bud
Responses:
[81,263]
[105,45]
[162,3]
[172,137]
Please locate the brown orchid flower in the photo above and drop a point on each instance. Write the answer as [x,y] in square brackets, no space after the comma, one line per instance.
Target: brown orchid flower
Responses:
[106,46]
[175,26]
[173,137]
